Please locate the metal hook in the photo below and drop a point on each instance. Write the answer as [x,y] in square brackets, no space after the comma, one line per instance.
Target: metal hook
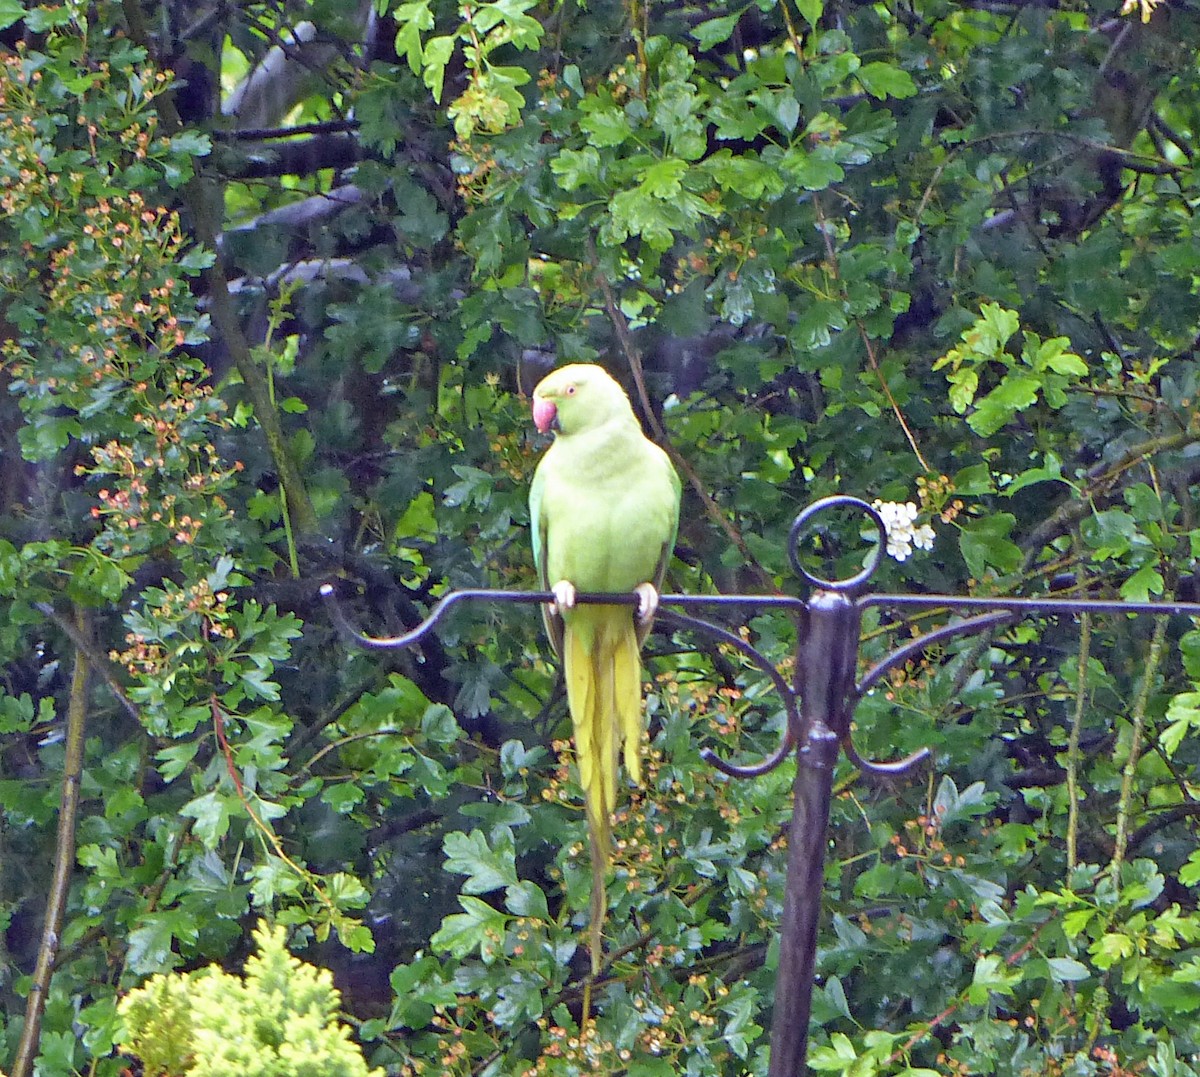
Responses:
[852,584]
[407,639]
[787,741]
[922,643]
[883,770]
[898,657]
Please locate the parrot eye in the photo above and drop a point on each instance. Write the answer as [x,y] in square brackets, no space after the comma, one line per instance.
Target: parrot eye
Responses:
[570,390]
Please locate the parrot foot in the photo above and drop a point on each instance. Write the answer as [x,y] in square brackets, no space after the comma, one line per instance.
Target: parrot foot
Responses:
[647,601]
[564,596]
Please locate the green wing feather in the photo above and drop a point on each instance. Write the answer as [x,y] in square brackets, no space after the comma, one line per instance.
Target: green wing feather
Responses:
[538,526]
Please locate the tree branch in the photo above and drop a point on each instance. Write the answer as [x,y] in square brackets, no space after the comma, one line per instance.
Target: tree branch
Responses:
[64,862]
[204,201]
[302,157]
[99,662]
[266,134]
[1100,479]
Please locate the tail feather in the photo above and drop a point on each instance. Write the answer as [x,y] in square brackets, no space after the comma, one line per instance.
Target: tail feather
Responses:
[627,688]
[604,693]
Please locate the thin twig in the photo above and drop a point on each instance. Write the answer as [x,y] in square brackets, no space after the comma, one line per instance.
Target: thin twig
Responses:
[64,862]
[1138,720]
[949,1011]
[831,254]
[633,357]
[204,199]
[1081,694]
[1100,479]
[99,662]
[1165,817]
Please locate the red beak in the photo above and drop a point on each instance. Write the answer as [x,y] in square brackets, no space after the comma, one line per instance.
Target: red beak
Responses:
[544,414]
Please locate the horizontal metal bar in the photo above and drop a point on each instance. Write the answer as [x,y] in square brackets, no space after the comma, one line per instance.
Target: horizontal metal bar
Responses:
[1018,606]
[1028,606]
[487,594]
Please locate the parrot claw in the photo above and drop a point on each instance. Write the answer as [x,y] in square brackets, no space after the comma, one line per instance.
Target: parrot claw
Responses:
[564,596]
[647,601]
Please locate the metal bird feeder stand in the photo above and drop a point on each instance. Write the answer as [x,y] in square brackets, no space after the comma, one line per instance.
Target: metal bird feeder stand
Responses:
[819,708]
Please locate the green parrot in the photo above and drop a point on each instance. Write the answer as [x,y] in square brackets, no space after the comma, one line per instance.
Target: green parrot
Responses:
[604,510]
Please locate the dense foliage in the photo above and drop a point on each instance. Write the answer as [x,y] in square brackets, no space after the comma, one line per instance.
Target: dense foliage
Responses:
[277,1022]
[275,280]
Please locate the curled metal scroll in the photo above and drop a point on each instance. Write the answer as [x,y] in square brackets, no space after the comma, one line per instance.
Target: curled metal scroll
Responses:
[849,588]
[851,585]
[787,741]
[922,643]
[898,657]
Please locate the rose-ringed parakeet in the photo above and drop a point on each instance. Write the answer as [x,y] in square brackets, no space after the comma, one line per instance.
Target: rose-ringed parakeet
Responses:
[604,508]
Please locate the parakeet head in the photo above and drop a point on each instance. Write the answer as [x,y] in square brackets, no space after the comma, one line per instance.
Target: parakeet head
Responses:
[575,397]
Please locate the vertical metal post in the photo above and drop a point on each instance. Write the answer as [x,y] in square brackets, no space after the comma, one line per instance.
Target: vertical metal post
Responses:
[825,668]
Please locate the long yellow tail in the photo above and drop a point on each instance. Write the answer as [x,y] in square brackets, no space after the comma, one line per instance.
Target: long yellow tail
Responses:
[604,692]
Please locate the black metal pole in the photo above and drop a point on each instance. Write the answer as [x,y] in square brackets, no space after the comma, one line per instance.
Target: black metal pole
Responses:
[802,902]
[825,668]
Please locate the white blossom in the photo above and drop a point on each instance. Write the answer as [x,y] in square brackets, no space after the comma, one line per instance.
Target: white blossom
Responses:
[903,534]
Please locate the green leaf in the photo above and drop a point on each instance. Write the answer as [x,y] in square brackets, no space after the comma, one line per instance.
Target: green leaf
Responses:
[576,168]
[41,19]
[212,813]
[1052,354]
[985,543]
[479,927]
[487,868]
[662,179]
[11,11]
[1183,716]
[1014,393]
[412,18]
[1067,969]
[1111,534]
[744,175]
[838,1055]
[191,143]
[58,1052]
[604,124]
[526,899]
[998,325]
[975,479]
[787,112]
[1051,471]
[992,977]
[713,31]
[1076,922]
[48,435]
[885,80]
[1146,581]
[438,51]
[811,11]
[16,713]
[151,944]
[809,170]
[439,725]
[344,797]
[1110,948]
